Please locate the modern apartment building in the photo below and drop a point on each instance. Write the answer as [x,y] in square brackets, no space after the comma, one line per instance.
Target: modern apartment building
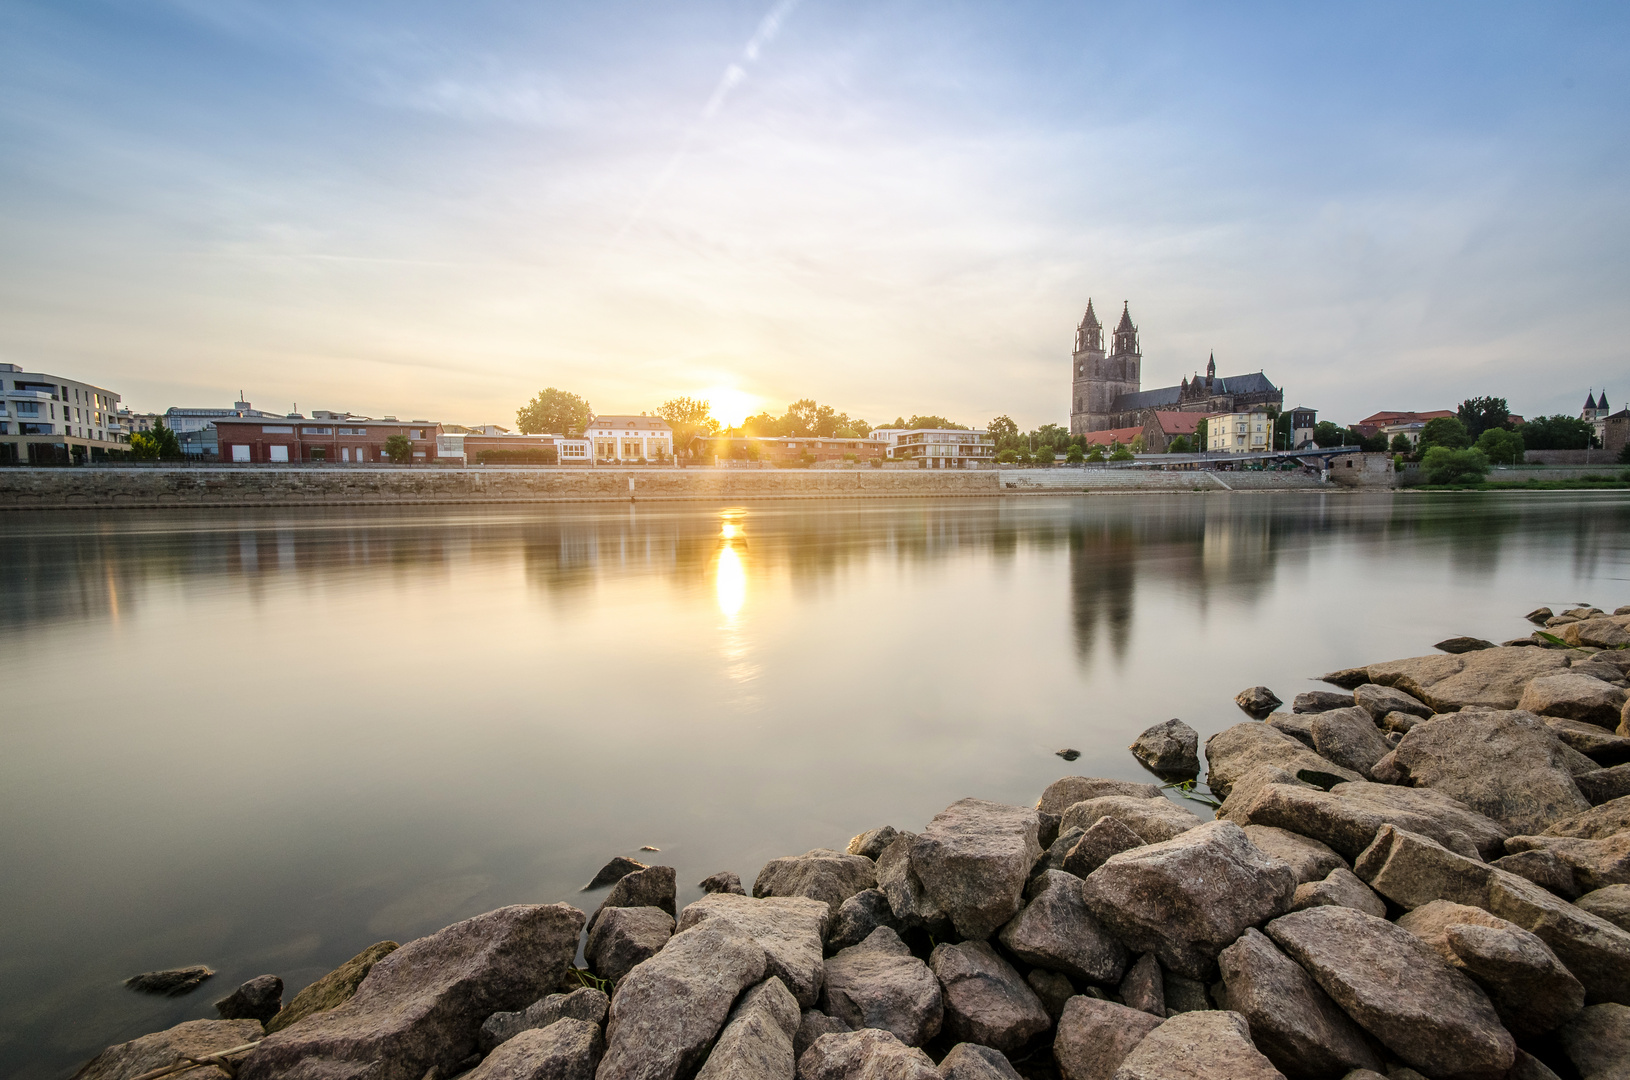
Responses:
[326,438]
[785,450]
[627,439]
[943,448]
[51,420]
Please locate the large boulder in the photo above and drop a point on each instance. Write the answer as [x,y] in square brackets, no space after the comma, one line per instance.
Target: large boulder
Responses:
[871,843]
[705,967]
[879,984]
[1506,765]
[859,916]
[1198,1046]
[1065,793]
[1294,1022]
[1318,701]
[1341,888]
[1093,846]
[422,1006]
[624,937]
[1489,679]
[1169,749]
[651,887]
[1574,697]
[973,861]
[970,1061]
[1056,931]
[1592,864]
[333,989]
[1609,632]
[788,928]
[261,998]
[1188,898]
[1309,859]
[986,1001]
[1598,1042]
[614,871]
[565,1050]
[1378,701]
[1257,700]
[812,1026]
[1611,903]
[828,876]
[1144,988]
[1399,990]
[1349,738]
[1596,823]
[172,1046]
[868,1054]
[756,1043]
[1245,789]
[585,1003]
[1095,1036]
[1603,785]
[1153,820]
[897,878]
[1594,741]
[1347,817]
[723,881]
[1235,751]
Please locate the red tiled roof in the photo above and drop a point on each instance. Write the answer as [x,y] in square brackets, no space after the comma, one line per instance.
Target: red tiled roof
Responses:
[1124,436]
[1179,423]
[1382,418]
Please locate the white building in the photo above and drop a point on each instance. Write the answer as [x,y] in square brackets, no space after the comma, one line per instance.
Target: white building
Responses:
[940,448]
[626,439]
[51,420]
[1249,432]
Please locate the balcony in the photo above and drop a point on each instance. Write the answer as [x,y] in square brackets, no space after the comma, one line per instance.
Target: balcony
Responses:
[29,395]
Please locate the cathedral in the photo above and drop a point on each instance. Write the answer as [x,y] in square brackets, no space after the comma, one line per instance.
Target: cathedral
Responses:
[1108,390]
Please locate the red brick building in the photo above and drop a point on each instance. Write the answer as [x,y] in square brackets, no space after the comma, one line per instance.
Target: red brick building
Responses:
[323,439]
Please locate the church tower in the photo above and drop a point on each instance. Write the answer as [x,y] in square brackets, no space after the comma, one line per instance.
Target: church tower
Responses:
[1100,379]
[1085,364]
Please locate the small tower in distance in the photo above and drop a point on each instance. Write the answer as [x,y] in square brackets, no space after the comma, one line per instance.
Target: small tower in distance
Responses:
[1085,364]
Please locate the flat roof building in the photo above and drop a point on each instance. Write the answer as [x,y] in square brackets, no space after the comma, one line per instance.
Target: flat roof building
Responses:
[326,438]
[53,420]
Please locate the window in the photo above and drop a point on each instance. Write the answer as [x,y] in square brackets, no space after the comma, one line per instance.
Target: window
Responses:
[278,454]
[240,453]
[416,433]
[269,429]
[28,408]
[352,431]
[317,431]
[33,429]
[319,453]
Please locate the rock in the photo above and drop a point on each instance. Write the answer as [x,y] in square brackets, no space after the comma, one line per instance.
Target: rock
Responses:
[1341,888]
[1611,903]
[333,989]
[1544,869]
[1047,832]
[172,982]
[1604,785]
[1399,990]
[1056,931]
[1068,753]
[828,876]
[585,1003]
[1530,988]
[1063,794]
[1594,863]
[1152,820]
[724,881]
[756,1043]
[1188,898]
[1298,726]
[1107,836]
[1143,988]
[195,1038]
[864,1055]
[1245,789]
[1489,679]
[1318,701]
[1539,615]
[1459,645]
[1528,1067]
[1235,751]
[1595,742]
[859,916]
[1094,1037]
[973,861]
[812,1026]
[1506,765]
[258,999]
[1348,817]
[1597,1042]
[1294,1022]
[1573,696]
[1198,1046]
[1170,749]
[626,936]
[1258,701]
[1603,670]
[788,928]
[1183,994]
[870,844]
[970,1061]
[1412,871]
[1053,857]
[986,1001]
[1597,822]
[651,887]
[879,984]
[422,1006]
[613,872]
[1309,859]
[1611,632]
[1349,738]
[1347,678]
[565,1050]
[911,904]
[1052,990]
[1396,723]
[706,967]
[1379,700]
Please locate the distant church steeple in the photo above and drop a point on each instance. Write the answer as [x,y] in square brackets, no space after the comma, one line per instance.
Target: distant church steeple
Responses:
[1126,335]
[1089,336]
[1211,371]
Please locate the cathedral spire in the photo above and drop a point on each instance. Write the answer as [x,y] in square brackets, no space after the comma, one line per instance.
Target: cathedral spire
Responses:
[1126,334]
[1090,318]
[1089,336]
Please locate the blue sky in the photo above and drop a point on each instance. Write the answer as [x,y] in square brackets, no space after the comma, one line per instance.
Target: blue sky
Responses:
[893,207]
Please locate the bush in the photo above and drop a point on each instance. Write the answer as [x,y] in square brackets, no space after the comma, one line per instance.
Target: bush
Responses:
[1008,457]
[1074,456]
[1179,445]
[1024,457]
[1096,454]
[1122,453]
[1441,465]
[400,448]
[1045,455]
[1501,446]
[1400,444]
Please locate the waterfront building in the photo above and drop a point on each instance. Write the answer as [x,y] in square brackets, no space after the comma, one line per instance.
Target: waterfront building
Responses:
[1595,413]
[944,448]
[628,439]
[195,427]
[1246,432]
[1302,422]
[495,445]
[1391,423]
[53,420]
[326,438]
[1164,425]
[787,450]
[1114,437]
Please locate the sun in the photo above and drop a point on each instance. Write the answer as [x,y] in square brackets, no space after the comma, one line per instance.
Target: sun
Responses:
[729,405]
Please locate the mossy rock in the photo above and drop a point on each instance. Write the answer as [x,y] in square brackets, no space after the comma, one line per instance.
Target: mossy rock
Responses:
[331,990]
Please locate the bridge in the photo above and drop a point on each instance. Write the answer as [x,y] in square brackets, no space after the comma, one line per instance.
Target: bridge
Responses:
[1145,461]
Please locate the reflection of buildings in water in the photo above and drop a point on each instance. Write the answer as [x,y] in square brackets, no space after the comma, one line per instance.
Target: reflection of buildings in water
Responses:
[1103,572]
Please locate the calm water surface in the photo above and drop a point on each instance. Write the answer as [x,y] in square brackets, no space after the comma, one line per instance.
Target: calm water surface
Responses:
[265,740]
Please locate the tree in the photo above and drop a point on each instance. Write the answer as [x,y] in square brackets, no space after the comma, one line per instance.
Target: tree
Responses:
[143,447]
[1137,443]
[1446,465]
[1074,455]
[1096,453]
[1557,433]
[1501,446]
[1284,435]
[1327,435]
[1045,455]
[1008,456]
[1401,444]
[1372,444]
[1025,457]
[689,417]
[400,448]
[1121,453]
[169,447]
[554,412]
[1003,431]
[1624,454]
[1200,436]
[919,422]
[1445,431]
[1179,445]
[1479,414]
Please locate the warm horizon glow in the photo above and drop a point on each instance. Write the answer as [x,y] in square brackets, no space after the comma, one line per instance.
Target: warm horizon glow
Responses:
[730,406]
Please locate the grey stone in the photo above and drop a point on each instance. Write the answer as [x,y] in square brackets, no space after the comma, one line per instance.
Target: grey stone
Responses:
[1183,994]
[1094,1037]
[788,928]
[1143,988]
[1341,888]
[986,1001]
[1292,1020]
[1611,903]
[1065,793]
[1396,723]
[1349,738]
[1530,988]
[1464,645]
[812,1026]
[1093,847]
[1604,785]
[1611,632]
[706,967]
[1309,859]
[724,881]
[1593,864]
[1544,869]
[613,872]
[1298,726]
[1048,830]
[1348,816]
[651,887]
[1347,678]
[1153,820]
[1604,670]
[1170,748]
[828,876]
[332,989]
[1379,700]
[1188,898]
[1489,679]
[1052,989]
[909,901]
[1598,1042]
[1198,1046]
[970,1061]
[756,1043]
[1539,615]
[1244,789]
[627,936]
[1053,857]
[859,916]
[422,1006]
[1235,751]
[171,982]
[1055,931]
[973,861]
[195,1038]
[1596,823]
[1595,742]
[870,844]
[261,998]
[585,1003]
[864,1055]
[565,1050]
[1529,1067]
[1574,696]
[1257,700]
[1399,990]
[1318,701]
[879,984]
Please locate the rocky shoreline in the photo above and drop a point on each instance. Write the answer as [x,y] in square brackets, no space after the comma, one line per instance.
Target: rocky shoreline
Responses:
[1426,874]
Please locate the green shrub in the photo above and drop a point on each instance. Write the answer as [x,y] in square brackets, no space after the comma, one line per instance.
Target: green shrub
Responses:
[1008,456]
[1180,445]
[1624,453]
[1501,446]
[538,455]
[1096,454]
[1122,453]
[1444,431]
[1074,456]
[1441,465]
[1045,455]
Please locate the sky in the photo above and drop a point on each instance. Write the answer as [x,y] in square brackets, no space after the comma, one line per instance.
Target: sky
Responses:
[893,207]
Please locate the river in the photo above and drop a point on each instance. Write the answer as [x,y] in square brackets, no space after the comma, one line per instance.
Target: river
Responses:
[264,740]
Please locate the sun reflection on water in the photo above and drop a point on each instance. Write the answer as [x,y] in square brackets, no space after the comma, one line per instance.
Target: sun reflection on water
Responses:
[731,582]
